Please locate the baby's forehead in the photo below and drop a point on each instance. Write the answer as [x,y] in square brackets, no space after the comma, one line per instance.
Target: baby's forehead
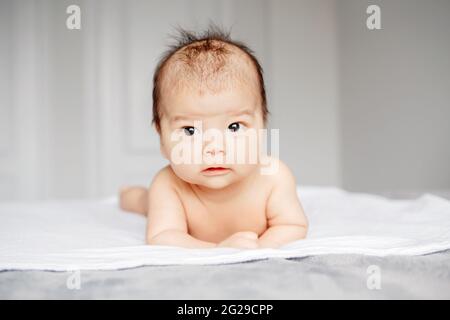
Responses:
[215,67]
[202,103]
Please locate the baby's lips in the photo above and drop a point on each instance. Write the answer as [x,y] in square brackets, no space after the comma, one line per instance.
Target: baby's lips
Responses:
[215,168]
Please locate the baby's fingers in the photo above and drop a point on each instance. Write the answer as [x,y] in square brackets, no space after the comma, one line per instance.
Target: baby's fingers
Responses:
[240,243]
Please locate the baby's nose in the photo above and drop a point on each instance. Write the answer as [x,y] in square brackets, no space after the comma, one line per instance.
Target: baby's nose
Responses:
[214,148]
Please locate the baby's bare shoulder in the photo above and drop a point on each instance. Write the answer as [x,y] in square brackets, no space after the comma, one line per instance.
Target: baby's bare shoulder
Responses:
[284,207]
[164,180]
[280,174]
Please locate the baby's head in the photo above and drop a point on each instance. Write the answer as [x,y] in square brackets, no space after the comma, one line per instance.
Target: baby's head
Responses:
[206,82]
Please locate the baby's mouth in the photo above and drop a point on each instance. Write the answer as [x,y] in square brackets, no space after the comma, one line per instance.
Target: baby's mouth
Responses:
[215,170]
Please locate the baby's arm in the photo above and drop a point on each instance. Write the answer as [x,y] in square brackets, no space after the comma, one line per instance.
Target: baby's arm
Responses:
[286,220]
[166,219]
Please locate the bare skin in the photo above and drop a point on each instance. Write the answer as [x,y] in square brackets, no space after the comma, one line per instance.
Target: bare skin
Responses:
[189,206]
[263,212]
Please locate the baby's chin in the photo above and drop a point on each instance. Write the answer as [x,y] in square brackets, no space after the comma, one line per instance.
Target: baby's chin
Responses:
[211,182]
[215,182]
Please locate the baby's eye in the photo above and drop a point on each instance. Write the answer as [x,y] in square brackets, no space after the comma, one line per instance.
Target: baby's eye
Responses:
[189,131]
[235,126]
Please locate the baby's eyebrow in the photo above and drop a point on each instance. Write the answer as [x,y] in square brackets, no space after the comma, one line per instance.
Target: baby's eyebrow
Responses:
[246,112]
[176,118]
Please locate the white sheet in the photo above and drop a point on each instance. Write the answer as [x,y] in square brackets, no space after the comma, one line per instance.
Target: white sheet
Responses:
[95,234]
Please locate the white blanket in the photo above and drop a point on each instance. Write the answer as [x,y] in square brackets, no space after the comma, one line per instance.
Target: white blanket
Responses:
[95,234]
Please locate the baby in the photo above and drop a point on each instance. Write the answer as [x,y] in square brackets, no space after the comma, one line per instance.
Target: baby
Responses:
[210,82]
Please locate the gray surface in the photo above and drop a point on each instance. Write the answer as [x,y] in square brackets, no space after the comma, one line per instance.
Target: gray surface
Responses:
[329,276]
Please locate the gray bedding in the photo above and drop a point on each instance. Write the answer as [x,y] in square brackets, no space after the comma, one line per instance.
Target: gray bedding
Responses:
[316,277]
[324,277]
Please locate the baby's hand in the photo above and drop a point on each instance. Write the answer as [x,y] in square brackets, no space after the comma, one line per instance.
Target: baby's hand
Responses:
[241,240]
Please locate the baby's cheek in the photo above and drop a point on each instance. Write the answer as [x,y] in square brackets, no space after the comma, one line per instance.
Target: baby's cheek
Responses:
[179,151]
[185,172]
[243,149]
[245,170]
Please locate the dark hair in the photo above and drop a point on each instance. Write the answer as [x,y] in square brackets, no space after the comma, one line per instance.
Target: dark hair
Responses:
[209,40]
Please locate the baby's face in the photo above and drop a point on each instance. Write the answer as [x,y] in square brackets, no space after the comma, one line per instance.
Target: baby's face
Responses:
[196,114]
